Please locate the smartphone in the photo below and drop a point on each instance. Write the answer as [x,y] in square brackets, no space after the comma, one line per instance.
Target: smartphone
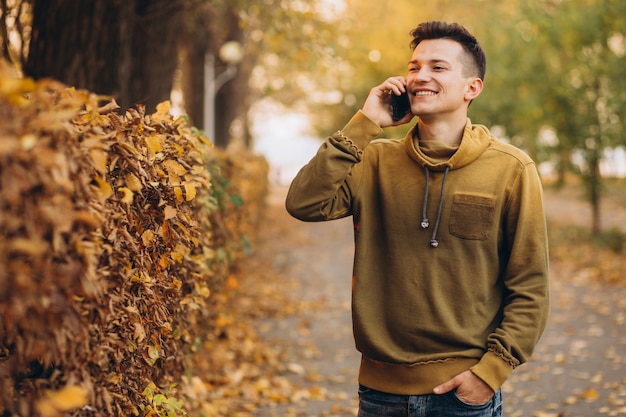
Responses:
[400,105]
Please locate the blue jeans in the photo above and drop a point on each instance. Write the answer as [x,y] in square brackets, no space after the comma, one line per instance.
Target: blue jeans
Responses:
[374,403]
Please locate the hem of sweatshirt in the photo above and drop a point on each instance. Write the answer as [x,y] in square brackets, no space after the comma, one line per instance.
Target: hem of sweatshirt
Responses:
[418,379]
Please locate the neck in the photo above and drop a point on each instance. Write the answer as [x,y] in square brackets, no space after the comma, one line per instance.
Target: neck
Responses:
[449,133]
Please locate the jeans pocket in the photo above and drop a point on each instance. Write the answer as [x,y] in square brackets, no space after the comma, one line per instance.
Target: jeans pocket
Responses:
[374,403]
[472,405]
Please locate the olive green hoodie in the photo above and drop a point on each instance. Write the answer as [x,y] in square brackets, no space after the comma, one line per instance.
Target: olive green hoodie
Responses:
[451,264]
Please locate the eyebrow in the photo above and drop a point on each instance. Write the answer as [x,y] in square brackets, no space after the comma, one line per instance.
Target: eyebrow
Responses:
[432,61]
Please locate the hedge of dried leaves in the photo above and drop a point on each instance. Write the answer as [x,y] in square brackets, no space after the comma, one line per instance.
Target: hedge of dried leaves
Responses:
[114,230]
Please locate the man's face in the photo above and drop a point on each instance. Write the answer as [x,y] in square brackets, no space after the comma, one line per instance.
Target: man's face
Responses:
[437,81]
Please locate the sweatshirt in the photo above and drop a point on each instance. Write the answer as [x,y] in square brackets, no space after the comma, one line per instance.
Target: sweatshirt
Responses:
[451,258]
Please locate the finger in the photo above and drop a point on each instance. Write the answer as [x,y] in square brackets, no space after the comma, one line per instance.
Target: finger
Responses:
[395,85]
[446,386]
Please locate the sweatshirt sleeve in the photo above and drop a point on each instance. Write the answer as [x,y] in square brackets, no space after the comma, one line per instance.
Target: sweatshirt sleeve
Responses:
[526,283]
[322,190]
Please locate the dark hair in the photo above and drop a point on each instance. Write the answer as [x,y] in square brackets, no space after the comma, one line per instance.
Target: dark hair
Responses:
[455,32]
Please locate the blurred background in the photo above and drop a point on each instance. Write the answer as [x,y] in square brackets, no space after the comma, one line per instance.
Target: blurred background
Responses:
[277,76]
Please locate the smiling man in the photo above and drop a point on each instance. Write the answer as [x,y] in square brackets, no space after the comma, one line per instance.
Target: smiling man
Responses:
[450,282]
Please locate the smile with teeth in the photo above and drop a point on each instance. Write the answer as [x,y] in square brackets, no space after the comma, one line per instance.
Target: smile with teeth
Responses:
[424,93]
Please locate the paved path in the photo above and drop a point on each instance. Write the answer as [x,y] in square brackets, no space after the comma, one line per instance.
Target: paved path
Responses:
[579,368]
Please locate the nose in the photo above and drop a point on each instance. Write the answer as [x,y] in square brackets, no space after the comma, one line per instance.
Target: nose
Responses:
[422,74]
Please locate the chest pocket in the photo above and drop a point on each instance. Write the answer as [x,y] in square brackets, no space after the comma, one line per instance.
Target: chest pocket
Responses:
[472,216]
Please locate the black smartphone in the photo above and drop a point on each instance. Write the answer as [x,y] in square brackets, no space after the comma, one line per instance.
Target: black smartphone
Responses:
[400,106]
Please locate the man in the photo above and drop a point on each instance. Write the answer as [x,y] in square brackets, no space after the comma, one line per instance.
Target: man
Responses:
[450,284]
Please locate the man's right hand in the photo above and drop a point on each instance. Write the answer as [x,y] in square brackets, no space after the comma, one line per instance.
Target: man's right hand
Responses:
[378,103]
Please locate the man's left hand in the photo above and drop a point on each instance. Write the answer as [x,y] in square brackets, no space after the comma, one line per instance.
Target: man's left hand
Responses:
[469,388]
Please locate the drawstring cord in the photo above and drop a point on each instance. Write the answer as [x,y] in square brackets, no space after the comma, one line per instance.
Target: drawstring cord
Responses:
[425,222]
[433,239]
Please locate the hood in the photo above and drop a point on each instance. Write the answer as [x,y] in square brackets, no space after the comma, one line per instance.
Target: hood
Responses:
[476,139]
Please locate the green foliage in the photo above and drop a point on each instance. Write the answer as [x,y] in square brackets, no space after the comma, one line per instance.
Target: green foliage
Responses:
[162,405]
[296,47]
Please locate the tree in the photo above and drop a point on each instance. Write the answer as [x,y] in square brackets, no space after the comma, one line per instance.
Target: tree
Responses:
[586,90]
[126,49]
[282,41]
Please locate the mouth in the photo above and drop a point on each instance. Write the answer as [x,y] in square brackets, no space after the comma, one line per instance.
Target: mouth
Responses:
[424,93]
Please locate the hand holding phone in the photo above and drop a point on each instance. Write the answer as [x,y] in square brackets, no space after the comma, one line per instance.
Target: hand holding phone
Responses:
[400,106]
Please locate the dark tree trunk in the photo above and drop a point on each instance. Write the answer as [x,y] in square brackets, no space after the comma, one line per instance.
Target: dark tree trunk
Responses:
[594,195]
[154,50]
[126,49]
[192,80]
[72,41]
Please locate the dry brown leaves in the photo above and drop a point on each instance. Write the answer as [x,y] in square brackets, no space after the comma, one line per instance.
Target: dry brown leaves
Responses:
[112,239]
[235,371]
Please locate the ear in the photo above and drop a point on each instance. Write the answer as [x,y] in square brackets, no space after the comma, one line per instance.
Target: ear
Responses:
[474,88]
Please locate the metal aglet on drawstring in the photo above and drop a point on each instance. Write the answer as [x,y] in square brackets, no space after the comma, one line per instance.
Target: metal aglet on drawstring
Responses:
[425,222]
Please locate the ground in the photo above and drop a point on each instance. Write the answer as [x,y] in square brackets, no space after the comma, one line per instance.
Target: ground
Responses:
[295,294]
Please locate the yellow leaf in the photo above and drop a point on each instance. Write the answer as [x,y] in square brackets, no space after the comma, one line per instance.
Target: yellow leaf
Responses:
[153,142]
[46,409]
[100,159]
[162,112]
[179,253]
[66,399]
[16,85]
[590,395]
[163,107]
[170,212]
[178,195]
[147,237]
[127,196]
[204,292]
[152,354]
[174,167]
[14,90]
[105,188]
[190,191]
[133,182]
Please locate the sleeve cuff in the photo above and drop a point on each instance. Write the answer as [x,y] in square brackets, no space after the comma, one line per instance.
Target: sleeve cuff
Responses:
[492,369]
[361,130]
